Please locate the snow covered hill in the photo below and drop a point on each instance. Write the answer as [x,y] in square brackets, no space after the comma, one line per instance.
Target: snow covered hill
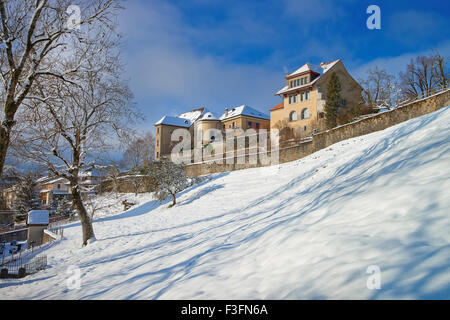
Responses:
[308,229]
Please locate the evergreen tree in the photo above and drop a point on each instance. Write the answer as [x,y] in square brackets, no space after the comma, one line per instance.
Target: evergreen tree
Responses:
[333,101]
[27,197]
[61,206]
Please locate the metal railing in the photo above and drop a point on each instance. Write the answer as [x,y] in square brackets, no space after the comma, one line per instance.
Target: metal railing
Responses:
[21,267]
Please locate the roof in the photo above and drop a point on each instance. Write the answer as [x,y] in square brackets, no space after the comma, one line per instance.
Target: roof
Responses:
[325,67]
[208,116]
[302,69]
[278,106]
[184,120]
[175,121]
[193,115]
[244,110]
[54,180]
[37,217]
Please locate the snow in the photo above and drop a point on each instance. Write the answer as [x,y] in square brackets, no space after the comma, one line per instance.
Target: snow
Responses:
[37,217]
[302,69]
[174,121]
[193,115]
[328,66]
[208,116]
[325,67]
[244,110]
[308,229]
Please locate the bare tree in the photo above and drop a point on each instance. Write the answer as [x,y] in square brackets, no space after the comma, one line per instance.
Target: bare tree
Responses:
[71,121]
[419,80]
[113,178]
[378,88]
[136,177]
[140,151]
[440,70]
[33,34]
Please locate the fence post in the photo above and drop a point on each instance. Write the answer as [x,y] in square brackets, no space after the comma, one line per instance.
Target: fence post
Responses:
[4,273]
[21,273]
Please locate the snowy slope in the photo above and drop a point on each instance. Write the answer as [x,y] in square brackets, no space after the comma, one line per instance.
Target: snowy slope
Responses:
[308,229]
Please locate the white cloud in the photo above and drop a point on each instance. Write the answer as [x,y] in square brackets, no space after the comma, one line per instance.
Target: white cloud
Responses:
[167,70]
[396,64]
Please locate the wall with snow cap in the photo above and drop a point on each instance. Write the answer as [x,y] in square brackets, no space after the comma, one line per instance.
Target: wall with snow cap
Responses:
[324,139]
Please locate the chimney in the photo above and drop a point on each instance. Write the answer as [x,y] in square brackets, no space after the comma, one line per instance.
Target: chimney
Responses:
[226,112]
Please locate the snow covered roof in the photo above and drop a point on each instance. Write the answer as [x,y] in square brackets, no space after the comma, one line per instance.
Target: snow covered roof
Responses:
[208,116]
[175,121]
[325,67]
[302,69]
[37,217]
[328,66]
[185,119]
[55,180]
[244,110]
[193,115]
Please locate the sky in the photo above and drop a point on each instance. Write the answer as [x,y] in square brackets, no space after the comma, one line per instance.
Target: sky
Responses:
[182,55]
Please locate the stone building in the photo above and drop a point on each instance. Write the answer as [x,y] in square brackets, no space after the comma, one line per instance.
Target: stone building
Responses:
[303,98]
[204,126]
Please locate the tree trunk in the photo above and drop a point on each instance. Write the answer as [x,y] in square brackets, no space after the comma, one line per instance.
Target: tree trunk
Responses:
[174,200]
[86,222]
[4,143]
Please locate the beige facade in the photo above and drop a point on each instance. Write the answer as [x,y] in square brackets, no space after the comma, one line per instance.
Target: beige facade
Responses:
[303,98]
[246,122]
[242,117]
[163,139]
[208,129]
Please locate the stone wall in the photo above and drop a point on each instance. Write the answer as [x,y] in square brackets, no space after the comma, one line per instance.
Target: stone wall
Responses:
[324,139]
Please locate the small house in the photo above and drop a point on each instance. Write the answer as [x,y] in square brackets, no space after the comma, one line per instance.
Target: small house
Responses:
[37,222]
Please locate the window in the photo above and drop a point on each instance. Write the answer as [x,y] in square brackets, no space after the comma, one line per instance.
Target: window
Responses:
[304,128]
[305,96]
[157,130]
[306,80]
[157,154]
[293,99]
[157,143]
[234,125]
[249,124]
[293,116]
[302,81]
[305,114]
[59,186]
[257,126]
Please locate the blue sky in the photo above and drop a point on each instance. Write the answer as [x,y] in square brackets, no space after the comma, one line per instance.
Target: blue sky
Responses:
[185,54]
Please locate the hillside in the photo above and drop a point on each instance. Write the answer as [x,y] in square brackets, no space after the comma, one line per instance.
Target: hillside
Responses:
[308,229]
